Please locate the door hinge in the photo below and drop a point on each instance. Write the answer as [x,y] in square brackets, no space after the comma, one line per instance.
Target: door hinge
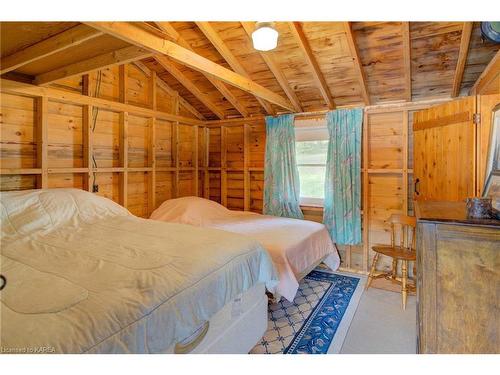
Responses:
[476,118]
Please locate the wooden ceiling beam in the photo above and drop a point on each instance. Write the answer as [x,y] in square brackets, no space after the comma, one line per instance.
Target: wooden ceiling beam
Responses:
[57,43]
[230,58]
[357,62]
[462,58]
[274,68]
[491,72]
[118,57]
[170,67]
[301,39]
[136,35]
[223,89]
[170,91]
[407,59]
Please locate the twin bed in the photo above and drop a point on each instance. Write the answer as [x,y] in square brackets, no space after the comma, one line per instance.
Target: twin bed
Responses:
[86,276]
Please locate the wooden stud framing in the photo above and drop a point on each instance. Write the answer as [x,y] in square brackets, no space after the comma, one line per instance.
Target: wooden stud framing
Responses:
[42,141]
[462,58]
[226,53]
[64,96]
[297,31]
[175,146]
[246,162]
[195,159]
[365,192]
[223,161]
[223,89]
[404,141]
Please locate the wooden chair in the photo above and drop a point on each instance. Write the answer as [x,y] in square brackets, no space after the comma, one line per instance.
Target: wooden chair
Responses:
[402,228]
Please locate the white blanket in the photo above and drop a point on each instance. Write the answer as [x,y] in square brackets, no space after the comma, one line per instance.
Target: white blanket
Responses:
[84,275]
[296,246]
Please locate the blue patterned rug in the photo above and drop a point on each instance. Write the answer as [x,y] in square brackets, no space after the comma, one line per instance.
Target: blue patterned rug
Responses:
[309,324]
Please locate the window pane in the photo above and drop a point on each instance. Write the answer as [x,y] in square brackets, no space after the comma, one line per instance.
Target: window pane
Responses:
[312,182]
[311,152]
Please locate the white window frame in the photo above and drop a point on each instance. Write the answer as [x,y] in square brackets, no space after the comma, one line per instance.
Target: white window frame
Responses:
[311,130]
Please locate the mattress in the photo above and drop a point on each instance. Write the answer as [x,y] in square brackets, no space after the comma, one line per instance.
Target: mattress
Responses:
[296,246]
[235,329]
[86,276]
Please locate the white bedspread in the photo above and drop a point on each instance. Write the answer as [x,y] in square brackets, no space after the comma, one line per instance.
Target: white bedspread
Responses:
[84,275]
[295,245]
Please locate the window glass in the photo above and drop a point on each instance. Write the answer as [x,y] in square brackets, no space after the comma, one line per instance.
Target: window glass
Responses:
[311,162]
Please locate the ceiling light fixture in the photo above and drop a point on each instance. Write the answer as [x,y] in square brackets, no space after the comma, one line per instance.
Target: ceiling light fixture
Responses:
[265,36]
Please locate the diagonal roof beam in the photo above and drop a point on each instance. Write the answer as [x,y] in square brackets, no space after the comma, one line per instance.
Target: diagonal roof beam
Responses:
[119,57]
[57,43]
[357,62]
[489,73]
[407,59]
[462,58]
[226,53]
[301,39]
[274,68]
[223,89]
[169,90]
[170,67]
[138,36]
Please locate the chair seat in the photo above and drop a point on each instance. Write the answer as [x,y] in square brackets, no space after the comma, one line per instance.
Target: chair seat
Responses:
[396,252]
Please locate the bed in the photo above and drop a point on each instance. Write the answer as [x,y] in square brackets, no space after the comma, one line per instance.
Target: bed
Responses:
[86,276]
[296,246]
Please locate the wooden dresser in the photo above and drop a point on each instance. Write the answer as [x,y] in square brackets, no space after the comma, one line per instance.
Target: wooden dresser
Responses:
[458,280]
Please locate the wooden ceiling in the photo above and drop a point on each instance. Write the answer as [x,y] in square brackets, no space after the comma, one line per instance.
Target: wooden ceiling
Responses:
[316,66]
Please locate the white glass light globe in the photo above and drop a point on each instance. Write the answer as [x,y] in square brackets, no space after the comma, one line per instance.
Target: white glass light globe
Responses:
[265,37]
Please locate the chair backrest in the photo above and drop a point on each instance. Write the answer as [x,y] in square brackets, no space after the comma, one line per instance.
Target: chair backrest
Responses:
[403,228]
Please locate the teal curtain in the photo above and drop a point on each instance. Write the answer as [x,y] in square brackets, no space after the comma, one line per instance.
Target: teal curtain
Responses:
[342,207]
[281,175]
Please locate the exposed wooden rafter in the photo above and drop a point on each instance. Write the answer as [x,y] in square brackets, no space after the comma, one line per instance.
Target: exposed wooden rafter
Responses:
[170,67]
[134,34]
[357,62]
[57,43]
[462,58]
[299,35]
[407,59]
[223,89]
[169,90]
[226,53]
[274,68]
[119,57]
[489,73]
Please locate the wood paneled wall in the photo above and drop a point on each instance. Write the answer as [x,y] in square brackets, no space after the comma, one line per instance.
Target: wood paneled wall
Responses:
[137,158]
[236,161]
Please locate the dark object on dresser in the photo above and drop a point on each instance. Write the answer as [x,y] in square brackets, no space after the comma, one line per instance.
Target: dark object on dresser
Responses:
[458,280]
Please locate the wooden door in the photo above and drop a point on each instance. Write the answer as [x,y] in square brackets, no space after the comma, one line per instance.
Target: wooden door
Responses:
[444,151]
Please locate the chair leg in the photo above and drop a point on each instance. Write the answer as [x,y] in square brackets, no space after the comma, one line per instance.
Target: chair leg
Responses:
[372,271]
[394,268]
[404,281]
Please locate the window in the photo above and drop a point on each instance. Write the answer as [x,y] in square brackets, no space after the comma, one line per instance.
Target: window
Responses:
[311,149]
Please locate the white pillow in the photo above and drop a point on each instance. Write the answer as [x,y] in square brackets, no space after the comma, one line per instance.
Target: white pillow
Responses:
[190,210]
